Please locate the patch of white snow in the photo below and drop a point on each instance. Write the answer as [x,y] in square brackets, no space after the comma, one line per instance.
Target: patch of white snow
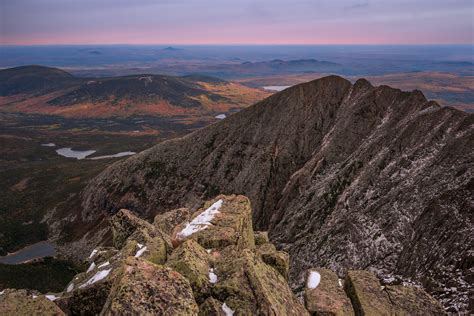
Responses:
[140,252]
[313,280]
[93,253]
[227,310]
[340,282]
[91,267]
[97,277]
[48,145]
[220,116]
[52,297]
[202,221]
[70,287]
[212,276]
[103,265]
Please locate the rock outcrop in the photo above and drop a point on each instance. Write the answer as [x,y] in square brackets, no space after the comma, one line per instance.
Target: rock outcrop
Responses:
[25,302]
[342,176]
[234,276]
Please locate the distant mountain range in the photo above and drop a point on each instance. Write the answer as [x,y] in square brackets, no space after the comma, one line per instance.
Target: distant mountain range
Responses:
[37,89]
[344,176]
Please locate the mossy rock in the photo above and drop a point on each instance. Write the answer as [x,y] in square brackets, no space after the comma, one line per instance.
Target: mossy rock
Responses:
[211,307]
[124,224]
[85,301]
[364,290]
[166,222]
[251,287]
[328,297]
[261,238]
[158,245]
[191,260]
[144,288]
[22,302]
[279,260]
[232,225]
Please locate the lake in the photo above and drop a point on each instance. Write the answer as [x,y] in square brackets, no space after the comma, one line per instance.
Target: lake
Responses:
[275,88]
[78,154]
[39,250]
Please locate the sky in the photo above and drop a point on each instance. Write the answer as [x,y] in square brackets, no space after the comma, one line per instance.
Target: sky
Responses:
[37,22]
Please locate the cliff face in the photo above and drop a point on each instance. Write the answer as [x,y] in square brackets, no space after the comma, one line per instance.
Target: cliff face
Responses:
[342,176]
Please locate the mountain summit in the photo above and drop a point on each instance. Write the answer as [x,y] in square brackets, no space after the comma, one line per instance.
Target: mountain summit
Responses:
[343,176]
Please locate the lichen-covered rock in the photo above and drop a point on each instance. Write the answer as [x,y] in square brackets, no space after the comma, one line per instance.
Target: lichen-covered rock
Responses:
[24,302]
[370,298]
[410,300]
[88,291]
[325,295]
[124,223]
[366,294]
[211,307]
[149,243]
[145,288]
[277,259]
[166,222]
[85,301]
[261,238]
[191,260]
[249,286]
[224,221]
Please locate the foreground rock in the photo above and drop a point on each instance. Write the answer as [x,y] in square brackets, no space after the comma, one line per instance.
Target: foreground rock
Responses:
[144,288]
[23,302]
[370,298]
[214,268]
[324,294]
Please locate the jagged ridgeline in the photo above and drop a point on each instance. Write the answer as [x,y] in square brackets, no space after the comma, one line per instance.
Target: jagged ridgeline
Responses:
[342,176]
[209,262]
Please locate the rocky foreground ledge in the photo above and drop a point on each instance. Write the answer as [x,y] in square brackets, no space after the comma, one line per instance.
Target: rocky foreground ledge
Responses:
[210,262]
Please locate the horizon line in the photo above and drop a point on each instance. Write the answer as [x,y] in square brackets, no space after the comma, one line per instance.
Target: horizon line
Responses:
[237,44]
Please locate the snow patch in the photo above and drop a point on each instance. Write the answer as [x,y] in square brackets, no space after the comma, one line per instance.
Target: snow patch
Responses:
[97,277]
[1,293]
[91,267]
[103,265]
[70,287]
[34,296]
[212,276]
[340,282]
[275,88]
[202,221]
[313,280]
[227,310]
[220,116]
[48,145]
[139,245]
[52,297]
[140,252]
[209,250]
[118,155]
[93,253]
[78,154]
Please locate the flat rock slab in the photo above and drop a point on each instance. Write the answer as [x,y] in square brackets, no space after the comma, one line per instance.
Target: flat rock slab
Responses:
[145,288]
[328,296]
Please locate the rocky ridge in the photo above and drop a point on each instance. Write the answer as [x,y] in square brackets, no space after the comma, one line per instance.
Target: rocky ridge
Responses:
[209,262]
[343,176]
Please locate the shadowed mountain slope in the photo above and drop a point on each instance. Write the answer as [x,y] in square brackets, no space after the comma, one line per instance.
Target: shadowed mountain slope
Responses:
[343,176]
